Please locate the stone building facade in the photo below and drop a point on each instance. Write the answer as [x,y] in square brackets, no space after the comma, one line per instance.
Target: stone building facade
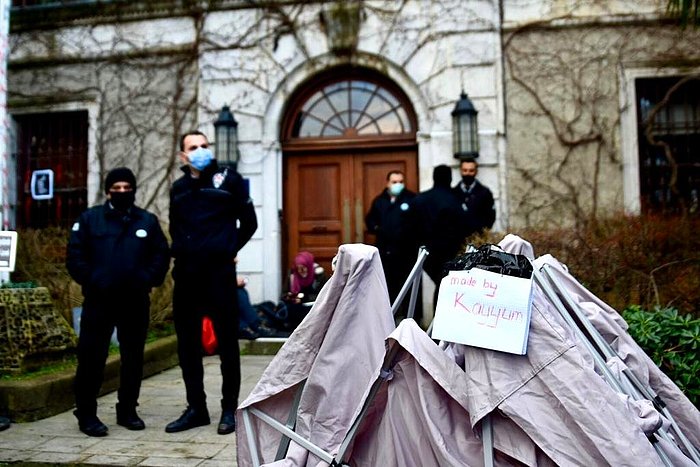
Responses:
[553,82]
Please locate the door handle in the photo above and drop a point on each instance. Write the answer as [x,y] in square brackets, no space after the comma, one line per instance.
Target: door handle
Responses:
[359,224]
[346,221]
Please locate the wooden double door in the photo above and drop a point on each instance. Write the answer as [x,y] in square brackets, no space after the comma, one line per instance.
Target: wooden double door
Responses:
[327,195]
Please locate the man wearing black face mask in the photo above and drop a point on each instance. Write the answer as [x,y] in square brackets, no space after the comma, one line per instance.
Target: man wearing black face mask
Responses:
[476,200]
[117,252]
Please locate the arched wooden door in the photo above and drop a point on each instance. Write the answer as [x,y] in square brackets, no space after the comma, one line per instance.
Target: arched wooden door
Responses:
[342,135]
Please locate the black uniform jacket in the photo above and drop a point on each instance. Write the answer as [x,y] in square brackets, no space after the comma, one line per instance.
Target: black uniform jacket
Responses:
[478,206]
[112,253]
[390,222]
[211,217]
[438,223]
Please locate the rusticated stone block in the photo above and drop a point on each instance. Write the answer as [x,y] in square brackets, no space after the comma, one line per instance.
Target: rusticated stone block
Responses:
[30,327]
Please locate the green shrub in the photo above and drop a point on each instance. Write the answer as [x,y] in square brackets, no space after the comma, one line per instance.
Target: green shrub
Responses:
[41,261]
[672,340]
[649,260]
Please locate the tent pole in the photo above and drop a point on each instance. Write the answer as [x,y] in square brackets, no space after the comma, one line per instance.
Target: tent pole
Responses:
[644,391]
[417,269]
[301,441]
[252,445]
[385,374]
[291,422]
[487,440]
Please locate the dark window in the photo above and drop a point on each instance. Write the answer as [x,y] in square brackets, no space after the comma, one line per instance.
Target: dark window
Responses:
[57,142]
[677,124]
[21,3]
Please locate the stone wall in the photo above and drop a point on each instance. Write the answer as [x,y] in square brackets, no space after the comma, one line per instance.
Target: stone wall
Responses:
[565,97]
[31,329]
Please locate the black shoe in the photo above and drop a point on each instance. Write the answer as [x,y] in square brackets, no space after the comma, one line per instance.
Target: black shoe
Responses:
[4,423]
[247,333]
[190,418]
[227,424]
[91,425]
[129,419]
[265,331]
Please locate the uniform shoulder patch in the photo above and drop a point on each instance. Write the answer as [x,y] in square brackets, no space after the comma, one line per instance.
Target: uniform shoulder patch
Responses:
[76,227]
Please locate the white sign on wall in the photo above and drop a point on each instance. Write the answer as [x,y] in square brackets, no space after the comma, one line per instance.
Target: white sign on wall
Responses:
[484,309]
[8,250]
[42,184]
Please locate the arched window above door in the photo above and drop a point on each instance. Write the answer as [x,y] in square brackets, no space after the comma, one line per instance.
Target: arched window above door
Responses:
[351,108]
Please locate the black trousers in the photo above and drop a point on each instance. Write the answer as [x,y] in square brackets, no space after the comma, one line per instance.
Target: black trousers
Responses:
[397,267]
[100,315]
[207,291]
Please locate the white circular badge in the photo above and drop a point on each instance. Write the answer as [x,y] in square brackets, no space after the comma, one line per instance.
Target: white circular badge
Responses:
[141,233]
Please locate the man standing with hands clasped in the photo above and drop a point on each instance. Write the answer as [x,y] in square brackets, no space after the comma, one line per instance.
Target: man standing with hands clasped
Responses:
[475,198]
[211,219]
[388,218]
[117,252]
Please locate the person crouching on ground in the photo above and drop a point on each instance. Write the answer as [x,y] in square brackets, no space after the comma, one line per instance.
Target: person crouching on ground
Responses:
[117,252]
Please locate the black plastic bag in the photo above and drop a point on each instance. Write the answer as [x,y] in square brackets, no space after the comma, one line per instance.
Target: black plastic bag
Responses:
[491,258]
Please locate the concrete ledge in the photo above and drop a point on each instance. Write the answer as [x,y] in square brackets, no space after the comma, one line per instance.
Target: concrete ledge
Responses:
[261,345]
[36,398]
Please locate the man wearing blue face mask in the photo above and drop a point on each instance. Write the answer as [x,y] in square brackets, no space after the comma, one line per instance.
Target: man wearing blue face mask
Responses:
[388,220]
[211,219]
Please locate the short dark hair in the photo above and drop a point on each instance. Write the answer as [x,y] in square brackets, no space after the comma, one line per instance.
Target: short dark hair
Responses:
[190,133]
[392,172]
[468,159]
[442,175]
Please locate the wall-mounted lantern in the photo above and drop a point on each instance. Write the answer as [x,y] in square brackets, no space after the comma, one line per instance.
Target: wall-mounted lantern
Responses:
[465,130]
[226,134]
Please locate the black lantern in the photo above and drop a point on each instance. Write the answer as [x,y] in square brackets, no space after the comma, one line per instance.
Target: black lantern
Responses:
[226,134]
[465,142]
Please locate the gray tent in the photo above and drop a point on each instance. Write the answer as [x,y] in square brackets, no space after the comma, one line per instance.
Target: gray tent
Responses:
[420,404]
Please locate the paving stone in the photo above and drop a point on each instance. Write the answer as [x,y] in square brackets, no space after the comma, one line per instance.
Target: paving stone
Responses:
[56,440]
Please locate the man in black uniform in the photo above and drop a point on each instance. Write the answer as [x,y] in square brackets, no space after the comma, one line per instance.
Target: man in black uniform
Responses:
[117,252]
[388,219]
[439,223]
[211,218]
[476,199]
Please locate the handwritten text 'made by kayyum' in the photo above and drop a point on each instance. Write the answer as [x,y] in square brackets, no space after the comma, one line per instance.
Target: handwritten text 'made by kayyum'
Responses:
[484,306]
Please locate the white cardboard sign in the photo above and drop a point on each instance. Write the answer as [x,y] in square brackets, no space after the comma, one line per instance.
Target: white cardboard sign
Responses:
[484,309]
[8,250]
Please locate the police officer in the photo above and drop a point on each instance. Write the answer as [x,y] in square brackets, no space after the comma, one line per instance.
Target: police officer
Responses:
[211,218]
[388,219]
[475,199]
[117,252]
[439,223]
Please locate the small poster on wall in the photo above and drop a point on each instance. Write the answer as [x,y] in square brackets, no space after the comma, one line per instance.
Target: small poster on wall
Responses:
[42,184]
[484,309]
[8,250]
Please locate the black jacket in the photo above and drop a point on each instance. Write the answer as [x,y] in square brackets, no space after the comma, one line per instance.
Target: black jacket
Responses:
[390,223]
[211,217]
[111,253]
[438,221]
[478,206]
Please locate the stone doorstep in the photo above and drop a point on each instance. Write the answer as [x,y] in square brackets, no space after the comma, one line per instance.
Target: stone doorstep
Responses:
[33,399]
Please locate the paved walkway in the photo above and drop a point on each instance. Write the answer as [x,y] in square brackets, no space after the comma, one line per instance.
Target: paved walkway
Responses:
[57,440]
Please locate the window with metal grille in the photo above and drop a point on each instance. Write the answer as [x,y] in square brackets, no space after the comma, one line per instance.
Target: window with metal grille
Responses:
[55,142]
[351,108]
[676,124]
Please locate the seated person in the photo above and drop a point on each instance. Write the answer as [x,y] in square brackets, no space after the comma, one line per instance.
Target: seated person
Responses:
[250,326]
[306,279]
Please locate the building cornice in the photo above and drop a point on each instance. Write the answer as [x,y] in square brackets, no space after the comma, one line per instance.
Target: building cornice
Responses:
[90,13]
